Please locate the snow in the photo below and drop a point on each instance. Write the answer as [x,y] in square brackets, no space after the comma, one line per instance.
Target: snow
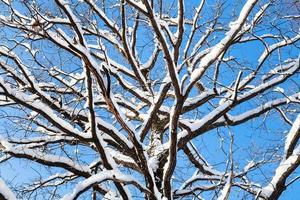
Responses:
[43,108]
[226,190]
[293,134]
[127,123]
[218,48]
[281,171]
[249,166]
[57,38]
[149,62]
[153,163]
[41,139]
[120,156]
[288,162]
[212,53]
[260,108]
[88,183]
[195,18]
[6,191]
[210,116]
[159,149]
[110,195]
[261,12]
[198,176]
[98,178]
[201,160]
[233,25]
[272,82]
[7,1]
[199,98]
[139,4]
[22,150]
[271,48]
[73,18]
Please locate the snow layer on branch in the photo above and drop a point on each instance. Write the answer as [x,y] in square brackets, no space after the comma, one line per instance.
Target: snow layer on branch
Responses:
[6,192]
[22,150]
[249,166]
[271,48]
[260,108]
[281,171]
[138,4]
[203,95]
[210,116]
[292,135]
[153,163]
[226,190]
[97,178]
[278,89]
[288,162]
[116,131]
[111,195]
[6,1]
[41,139]
[235,27]
[36,104]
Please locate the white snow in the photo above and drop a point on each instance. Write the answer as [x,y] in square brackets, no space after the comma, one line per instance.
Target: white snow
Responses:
[210,116]
[110,195]
[271,48]
[218,48]
[278,89]
[22,150]
[258,109]
[98,178]
[249,165]
[36,104]
[6,192]
[153,163]
[287,163]
[119,156]
[281,171]
[226,190]
[6,1]
[293,134]
[139,4]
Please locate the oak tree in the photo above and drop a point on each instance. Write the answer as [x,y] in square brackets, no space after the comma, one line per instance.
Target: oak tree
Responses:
[149,99]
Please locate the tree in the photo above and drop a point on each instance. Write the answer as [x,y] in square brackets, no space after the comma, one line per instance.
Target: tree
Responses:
[137,99]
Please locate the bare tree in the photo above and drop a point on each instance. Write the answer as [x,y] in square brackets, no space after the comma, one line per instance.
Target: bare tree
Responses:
[150,99]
